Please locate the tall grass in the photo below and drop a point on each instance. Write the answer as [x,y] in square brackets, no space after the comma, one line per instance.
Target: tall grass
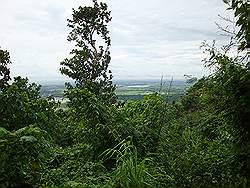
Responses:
[130,171]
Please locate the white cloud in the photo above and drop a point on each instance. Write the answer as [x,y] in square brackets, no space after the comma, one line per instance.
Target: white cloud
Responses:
[149,38]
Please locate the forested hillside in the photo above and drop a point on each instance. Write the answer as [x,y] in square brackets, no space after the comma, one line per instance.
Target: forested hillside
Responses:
[97,141]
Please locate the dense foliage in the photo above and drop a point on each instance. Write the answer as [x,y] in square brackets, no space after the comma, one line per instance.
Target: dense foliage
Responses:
[200,141]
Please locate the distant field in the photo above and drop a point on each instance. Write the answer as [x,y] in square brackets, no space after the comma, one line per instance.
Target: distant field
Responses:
[131,90]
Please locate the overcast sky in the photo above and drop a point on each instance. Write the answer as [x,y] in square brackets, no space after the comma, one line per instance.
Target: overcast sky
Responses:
[150,38]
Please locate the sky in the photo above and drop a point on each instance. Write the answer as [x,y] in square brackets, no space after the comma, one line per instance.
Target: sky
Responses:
[150,38]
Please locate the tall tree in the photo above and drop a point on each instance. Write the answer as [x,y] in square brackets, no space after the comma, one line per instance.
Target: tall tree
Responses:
[4,70]
[89,61]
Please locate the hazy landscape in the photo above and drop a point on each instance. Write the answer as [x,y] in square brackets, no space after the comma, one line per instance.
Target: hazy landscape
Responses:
[130,89]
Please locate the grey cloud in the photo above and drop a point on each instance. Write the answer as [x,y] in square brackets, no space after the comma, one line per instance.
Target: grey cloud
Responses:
[149,38]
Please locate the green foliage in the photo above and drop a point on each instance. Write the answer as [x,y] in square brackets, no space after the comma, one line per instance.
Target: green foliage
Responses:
[90,119]
[23,155]
[143,121]
[91,57]
[130,172]
[21,105]
[74,165]
[86,106]
[4,70]
[241,10]
[227,91]
[191,158]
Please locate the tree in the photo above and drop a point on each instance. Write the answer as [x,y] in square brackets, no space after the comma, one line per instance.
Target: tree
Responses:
[241,9]
[88,66]
[4,70]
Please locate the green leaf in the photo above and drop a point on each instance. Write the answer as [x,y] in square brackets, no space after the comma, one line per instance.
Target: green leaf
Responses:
[3,131]
[28,139]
